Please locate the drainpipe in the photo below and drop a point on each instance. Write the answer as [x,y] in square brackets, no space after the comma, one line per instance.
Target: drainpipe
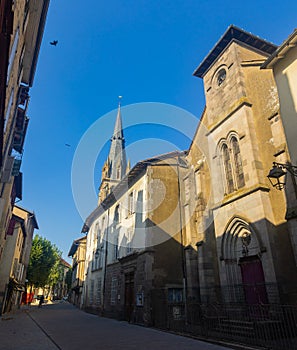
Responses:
[105,264]
[184,269]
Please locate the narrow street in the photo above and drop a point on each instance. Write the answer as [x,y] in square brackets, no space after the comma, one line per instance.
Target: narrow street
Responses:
[62,326]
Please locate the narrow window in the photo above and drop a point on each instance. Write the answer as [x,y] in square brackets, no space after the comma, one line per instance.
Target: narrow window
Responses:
[198,183]
[95,235]
[98,292]
[228,168]
[187,189]
[117,215]
[129,241]
[12,53]
[116,248]
[8,109]
[237,162]
[131,203]
[101,256]
[91,295]
[113,294]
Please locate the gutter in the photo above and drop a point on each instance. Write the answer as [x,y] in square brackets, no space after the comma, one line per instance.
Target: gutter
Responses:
[290,42]
[38,40]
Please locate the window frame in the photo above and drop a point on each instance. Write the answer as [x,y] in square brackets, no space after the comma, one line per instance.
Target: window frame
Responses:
[232,166]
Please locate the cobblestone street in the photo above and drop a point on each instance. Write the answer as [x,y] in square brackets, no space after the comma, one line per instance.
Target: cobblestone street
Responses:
[62,326]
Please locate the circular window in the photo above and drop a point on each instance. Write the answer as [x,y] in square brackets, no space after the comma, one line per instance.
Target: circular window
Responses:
[221,76]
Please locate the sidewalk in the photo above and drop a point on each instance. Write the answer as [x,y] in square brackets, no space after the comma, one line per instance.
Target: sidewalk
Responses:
[19,332]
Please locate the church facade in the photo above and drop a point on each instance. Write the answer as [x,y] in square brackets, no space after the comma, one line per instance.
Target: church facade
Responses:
[243,247]
[201,226]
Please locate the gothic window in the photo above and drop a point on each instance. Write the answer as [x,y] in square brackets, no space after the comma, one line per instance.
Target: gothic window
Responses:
[237,162]
[227,168]
[117,214]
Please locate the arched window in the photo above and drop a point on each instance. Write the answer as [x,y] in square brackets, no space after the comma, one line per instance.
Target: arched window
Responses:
[116,215]
[237,162]
[227,168]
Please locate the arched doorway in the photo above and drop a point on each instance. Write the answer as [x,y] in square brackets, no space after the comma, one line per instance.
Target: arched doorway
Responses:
[243,277]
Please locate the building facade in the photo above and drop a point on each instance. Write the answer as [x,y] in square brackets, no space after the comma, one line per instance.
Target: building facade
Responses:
[22,25]
[283,63]
[78,254]
[16,254]
[134,257]
[62,287]
[203,227]
[243,241]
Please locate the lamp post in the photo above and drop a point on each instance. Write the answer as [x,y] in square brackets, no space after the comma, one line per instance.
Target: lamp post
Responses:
[279,170]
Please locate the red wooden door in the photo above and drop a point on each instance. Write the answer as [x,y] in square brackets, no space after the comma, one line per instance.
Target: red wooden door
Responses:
[253,280]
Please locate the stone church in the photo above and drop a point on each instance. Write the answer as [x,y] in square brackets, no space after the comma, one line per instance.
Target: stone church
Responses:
[201,226]
[243,244]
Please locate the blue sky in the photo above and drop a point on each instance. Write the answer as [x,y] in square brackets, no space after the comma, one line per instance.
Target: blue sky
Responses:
[144,50]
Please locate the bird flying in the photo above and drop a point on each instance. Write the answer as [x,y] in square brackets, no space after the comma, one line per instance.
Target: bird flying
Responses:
[54,42]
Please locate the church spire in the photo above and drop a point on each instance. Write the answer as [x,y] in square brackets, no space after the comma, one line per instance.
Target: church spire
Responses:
[115,168]
[118,129]
[117,153]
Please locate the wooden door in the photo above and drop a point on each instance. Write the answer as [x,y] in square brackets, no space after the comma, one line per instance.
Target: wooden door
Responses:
[253,280]
[129,296]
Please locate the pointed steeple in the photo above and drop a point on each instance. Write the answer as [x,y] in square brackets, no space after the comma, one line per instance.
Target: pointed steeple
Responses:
[117,153]
[114,168]
[118,130]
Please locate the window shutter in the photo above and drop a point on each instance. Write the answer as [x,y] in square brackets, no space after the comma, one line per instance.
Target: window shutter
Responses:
[10,227]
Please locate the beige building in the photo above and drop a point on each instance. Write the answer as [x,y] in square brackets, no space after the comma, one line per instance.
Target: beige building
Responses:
[78,254]
[61,288]
[283,63]
[24,35]
[16,255]
[134,258]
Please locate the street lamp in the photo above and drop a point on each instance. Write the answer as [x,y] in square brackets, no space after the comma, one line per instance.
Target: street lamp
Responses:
[279,170]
